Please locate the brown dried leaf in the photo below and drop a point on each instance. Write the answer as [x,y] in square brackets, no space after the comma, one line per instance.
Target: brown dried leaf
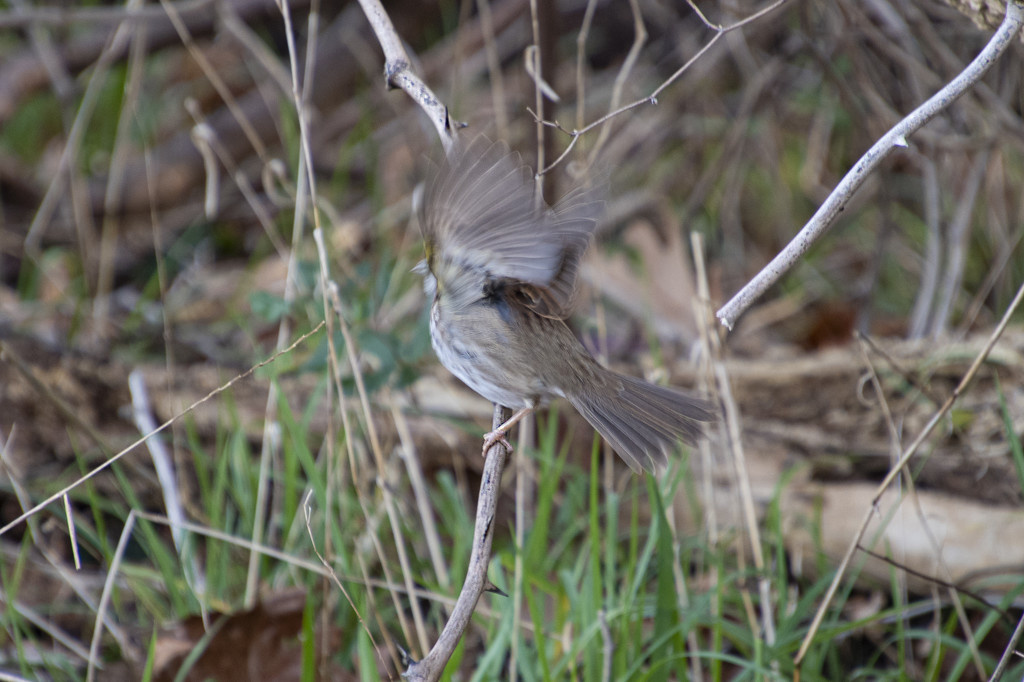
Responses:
[261,644]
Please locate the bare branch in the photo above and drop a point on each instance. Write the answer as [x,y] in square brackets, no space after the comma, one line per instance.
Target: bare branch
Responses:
[896,137]
[398,73]
[431,667]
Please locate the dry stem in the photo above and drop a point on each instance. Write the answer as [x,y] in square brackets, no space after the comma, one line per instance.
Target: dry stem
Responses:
[904,459]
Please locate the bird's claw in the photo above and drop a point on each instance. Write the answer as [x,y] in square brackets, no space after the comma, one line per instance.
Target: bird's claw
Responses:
[494,437]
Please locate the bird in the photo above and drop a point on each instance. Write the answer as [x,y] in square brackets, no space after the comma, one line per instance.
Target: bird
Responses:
[500,275]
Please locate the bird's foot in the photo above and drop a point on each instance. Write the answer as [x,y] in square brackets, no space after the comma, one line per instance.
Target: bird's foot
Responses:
[492,438]
[498,434]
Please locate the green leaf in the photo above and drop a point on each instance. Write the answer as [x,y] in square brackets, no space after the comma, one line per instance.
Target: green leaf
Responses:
[268,306]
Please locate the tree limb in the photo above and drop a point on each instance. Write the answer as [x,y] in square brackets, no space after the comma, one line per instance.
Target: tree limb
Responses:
[896,137]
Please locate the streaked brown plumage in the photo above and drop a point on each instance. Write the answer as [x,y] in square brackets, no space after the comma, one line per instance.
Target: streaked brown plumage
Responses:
[501,272]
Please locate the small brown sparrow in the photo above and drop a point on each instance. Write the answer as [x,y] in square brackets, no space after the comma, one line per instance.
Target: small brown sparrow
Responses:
[500,271]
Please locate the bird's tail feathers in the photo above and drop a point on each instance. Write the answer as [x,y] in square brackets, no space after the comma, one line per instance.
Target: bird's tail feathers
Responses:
[643,421]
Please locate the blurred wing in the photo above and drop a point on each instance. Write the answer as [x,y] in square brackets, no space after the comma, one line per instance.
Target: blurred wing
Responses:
[574,217]
[480,213]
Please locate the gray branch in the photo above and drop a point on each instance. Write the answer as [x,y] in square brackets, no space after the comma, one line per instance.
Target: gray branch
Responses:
[400,75]
[431,667]
[398,72]
[896,137]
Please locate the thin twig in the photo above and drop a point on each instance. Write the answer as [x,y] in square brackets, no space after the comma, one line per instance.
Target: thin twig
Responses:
[494,72]
[307,512]
[524,467]
[270,443]
[533,61]
[334,298]
[711,356]
[895,447]
[215,392]
[948,584]
[306,192]
[896,137]
[898,467]
[1009,652]
[305,196]
[639,40]
[653,97]
[395,521]
[108,588]
[735,441]
[581,54]
[1006,254]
